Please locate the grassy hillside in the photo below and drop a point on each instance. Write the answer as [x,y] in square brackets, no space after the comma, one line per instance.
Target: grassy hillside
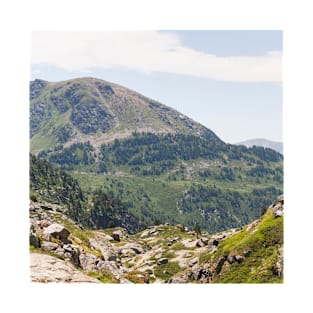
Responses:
[162,165]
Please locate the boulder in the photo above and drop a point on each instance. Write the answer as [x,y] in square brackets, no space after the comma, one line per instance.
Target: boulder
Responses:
[57,231]
[122,233]
[49,246]
[136,248]
[116,236]
[215,242]
[193,262]
[200,243]
[220,264]
[162,261]
[247,253]
[153,232]
[71,253]
[43,224]
[145,234]
[204,240]
[278,213]
[230,259]
[88,262]
[200,273]
[239,258]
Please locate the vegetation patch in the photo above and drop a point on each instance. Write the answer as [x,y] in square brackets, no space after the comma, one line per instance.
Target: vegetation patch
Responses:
[166,271]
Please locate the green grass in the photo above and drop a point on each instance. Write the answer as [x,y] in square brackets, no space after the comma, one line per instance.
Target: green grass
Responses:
[103,276]
[166,271]
[263,242]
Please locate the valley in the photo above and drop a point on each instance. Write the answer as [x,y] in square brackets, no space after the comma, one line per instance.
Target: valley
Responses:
[113,160]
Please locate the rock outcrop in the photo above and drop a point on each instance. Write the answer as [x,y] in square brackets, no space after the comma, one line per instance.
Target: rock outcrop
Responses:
[45,268]
[163,253]
[56,231]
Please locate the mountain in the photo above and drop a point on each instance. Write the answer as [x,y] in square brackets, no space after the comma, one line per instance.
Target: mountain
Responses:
[89,109]
[61,250]
[275,145]
[159,165]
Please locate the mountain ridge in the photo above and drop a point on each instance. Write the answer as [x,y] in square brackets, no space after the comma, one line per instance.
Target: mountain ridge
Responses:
[262,142]
[124,111]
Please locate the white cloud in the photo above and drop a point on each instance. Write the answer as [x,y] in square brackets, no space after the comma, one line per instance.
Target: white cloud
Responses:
[149,51]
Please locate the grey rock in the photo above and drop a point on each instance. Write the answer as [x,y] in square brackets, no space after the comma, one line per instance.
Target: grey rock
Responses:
[278,213]
[72,254]
[204,240]
[43,224]
[145,234]
[239,258]
[162,261]
[57,231]
[220,264]
[45,268]
[230,259]
[247,253]
[116,236]
[49,246]
[200,243]
[150,262]
[193,262]
[136,248]
[88,262]
[60,251]
[187,255]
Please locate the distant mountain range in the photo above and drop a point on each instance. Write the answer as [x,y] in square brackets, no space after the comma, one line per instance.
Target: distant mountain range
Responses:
[260,142]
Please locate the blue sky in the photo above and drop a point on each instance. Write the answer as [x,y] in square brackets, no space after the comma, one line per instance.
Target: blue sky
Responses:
[230,81]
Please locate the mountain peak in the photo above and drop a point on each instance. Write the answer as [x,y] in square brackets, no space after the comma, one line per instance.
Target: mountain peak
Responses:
[91,109]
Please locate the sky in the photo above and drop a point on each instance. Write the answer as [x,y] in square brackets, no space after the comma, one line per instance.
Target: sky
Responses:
[229,81]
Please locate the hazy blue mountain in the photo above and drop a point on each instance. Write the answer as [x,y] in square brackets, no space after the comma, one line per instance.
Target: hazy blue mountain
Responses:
[260,142]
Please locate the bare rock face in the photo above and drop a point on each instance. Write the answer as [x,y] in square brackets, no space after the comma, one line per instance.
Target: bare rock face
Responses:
[278,208]
[45,268]
[49,246]
[56,231]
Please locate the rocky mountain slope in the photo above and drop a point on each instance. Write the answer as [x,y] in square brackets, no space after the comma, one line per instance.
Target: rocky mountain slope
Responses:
[260,142]
[63,251]
[159,164]
[89,109]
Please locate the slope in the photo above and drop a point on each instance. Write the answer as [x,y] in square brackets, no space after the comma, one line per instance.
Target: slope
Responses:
[162,165]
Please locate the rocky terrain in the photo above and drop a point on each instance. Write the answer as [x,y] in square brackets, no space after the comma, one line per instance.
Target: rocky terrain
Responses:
[63,251]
